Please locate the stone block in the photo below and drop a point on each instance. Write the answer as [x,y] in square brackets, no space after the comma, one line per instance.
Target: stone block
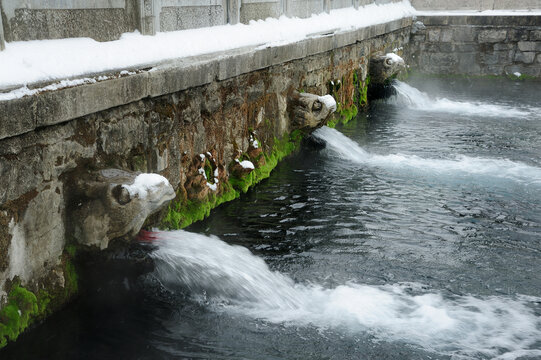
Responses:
[497,58]
[288,52]
[259,10]
[190,17]
[529,70]
[466,48]
[362,34]
[444,59]
[468,63]
[345,38]
[446,47]
[492,35]
[529,46]
[447,35]
[524,57]
[493,70]
[18,116]
[464,34]
[319,45]
[517,34]
[434,35]
[418,38]
[504,46]
[434,20]
[535,35]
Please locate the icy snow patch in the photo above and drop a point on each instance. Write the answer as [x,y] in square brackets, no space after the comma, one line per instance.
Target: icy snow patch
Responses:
[395,58]
[246,164]
[145,184]
[328,101]
[202,172]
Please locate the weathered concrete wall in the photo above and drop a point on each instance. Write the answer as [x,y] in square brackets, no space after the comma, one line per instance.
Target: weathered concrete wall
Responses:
[180,15]
[476,4]
[477,45]
[158,121]
[54,19]
[258,9]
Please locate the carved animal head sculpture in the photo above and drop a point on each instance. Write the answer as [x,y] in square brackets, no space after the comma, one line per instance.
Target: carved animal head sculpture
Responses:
[309,111]
[383,67]
[112,203]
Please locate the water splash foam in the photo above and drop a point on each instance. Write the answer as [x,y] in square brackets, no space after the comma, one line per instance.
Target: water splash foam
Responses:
[415,99]
[460,166]
[231,279]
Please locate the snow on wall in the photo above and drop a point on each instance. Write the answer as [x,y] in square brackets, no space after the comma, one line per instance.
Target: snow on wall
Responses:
[28,62]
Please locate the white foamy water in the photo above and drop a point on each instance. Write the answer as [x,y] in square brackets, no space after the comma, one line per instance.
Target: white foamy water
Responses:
[418,100]
[231,279]
[460,166]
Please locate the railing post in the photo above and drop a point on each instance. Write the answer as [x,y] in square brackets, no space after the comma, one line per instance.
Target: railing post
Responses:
[2,41]
[233,11]
[149,16]
[286,7]
[327,6]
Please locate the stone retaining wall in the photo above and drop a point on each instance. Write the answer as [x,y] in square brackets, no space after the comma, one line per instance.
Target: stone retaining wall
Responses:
[477,45]
[158,121]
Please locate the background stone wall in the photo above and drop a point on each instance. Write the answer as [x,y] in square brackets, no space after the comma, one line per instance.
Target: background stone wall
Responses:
[477,45]
[475,4]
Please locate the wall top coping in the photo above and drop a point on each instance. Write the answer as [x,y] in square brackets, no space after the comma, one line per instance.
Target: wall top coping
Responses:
[47,108]
[533,19]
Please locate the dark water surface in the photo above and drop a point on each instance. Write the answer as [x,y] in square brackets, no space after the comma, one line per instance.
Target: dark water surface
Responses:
[416,234]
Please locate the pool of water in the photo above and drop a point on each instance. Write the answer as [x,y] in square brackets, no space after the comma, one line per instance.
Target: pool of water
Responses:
[415,234]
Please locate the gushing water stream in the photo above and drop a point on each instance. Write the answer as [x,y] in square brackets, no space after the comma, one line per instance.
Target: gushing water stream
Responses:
[411,97]
[231,279]
[480,169]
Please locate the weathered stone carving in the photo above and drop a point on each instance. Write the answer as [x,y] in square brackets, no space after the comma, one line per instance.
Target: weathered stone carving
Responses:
[113,203]
[417,26]
[383,67]
[309,111]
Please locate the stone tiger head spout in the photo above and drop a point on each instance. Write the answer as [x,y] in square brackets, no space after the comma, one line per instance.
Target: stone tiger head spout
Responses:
[309,111]
[112,203]
[384,67]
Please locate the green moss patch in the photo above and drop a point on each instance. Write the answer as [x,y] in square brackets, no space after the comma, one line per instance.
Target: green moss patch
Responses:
[21,307]
[348,107]
[24,307]
[184,212]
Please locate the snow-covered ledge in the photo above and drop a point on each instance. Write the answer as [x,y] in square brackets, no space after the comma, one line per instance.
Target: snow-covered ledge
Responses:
[48,104]
[27,63]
